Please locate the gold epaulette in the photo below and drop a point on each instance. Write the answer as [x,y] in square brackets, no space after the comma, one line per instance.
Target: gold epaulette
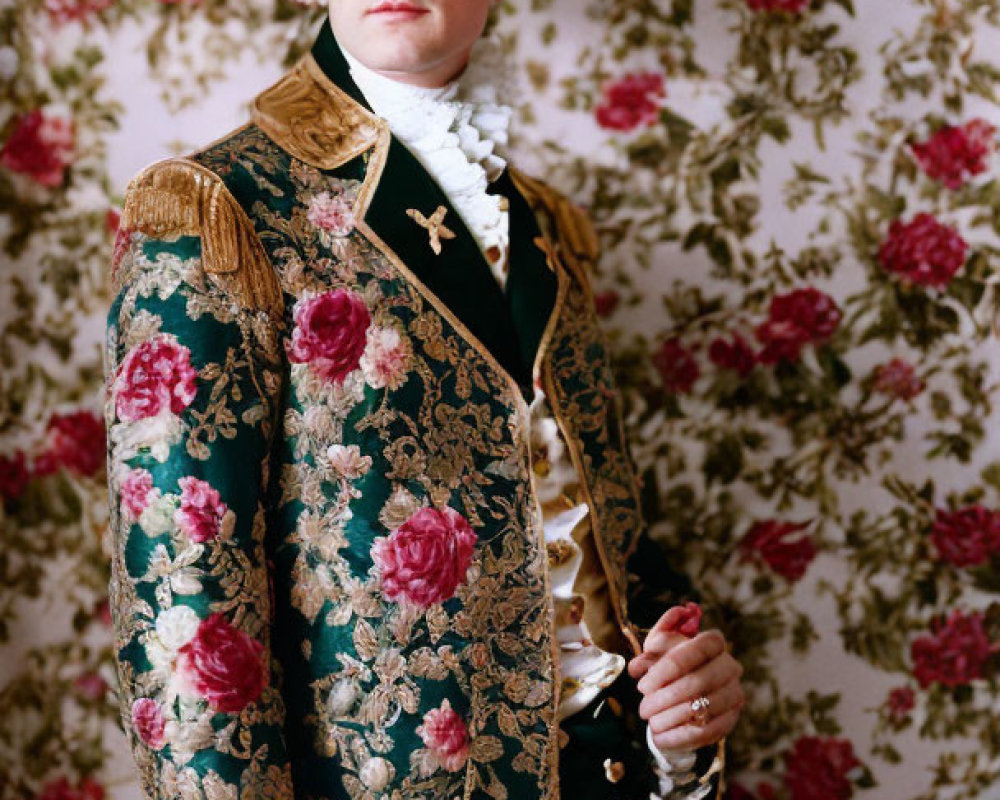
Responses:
[178,197]
[574,232]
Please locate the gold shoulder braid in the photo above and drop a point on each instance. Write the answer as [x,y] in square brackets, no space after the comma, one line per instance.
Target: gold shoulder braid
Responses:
[570,226]
[177,197]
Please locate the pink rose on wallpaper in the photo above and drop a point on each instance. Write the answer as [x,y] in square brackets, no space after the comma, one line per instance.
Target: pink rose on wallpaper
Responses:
[769,540]
[201,511]
[154,376]
[897,378]
[223,665]
[91,686]
[332,213]
[631,102]
[14,475]
[923,251]
[955,651]
[606,302]
[445,734]
[425,559]
[817,768]
[796,319]
[62,789]
[688,621]
[75,442]
[967,537]
[735,355]
[330,333]
[149,722]
[786,6]
[40,147]
[386,360]
[135,490]
[62,11]
[900,702]
[676,366]
[956,152]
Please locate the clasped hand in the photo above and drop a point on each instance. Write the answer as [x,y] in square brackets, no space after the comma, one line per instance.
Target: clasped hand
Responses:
[679,664]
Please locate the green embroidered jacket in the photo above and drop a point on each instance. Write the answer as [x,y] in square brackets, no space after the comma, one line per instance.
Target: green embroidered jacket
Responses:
[329,577]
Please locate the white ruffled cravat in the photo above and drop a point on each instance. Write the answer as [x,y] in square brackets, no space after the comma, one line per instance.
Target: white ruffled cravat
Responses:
[454,131]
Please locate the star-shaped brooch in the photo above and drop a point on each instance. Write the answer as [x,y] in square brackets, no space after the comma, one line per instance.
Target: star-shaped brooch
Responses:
[435,226]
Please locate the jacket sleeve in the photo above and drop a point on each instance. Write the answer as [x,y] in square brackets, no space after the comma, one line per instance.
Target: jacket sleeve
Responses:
[191,389]
[654,583]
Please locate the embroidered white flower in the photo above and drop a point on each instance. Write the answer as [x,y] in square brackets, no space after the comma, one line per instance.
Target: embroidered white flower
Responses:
[177,626]
[347,460]
[158,516]
[386,360]
[376,774]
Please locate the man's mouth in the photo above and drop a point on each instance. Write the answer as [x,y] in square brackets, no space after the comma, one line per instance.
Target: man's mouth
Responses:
[396,8]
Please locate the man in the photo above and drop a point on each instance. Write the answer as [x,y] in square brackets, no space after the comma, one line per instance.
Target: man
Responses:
[351,560]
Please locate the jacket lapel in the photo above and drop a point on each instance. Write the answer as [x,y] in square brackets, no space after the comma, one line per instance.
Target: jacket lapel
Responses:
[325,120]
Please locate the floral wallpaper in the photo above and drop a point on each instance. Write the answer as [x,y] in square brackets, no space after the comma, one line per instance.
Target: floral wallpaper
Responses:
[800,213]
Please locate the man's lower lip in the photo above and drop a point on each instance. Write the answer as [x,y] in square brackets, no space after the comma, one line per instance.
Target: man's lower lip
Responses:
[399,13]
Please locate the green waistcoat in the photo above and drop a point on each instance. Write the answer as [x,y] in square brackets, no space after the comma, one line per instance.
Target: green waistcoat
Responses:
[330,578]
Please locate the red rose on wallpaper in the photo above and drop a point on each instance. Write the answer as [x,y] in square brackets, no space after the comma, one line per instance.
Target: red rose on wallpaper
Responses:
[900,702]
[676,367]
[923,251]
[631,102]
[425,559]
[330,333]
[154,376]
[75,442]
[149,722]
[606,302]
[223,665]
[796,319]
[956,153]
[897,378]
[967,537]
[201,511]
[40,147]
[816,768]
[91,686]
[445,734]
[769,540]
[14,475]
[787,6]
[62,789]
[735,355]
[61,11]
[955,651]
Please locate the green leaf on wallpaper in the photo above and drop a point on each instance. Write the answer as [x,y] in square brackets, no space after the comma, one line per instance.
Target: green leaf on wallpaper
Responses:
[679,130]
[723,460]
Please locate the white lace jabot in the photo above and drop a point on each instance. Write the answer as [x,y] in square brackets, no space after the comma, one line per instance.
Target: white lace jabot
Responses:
[454,132]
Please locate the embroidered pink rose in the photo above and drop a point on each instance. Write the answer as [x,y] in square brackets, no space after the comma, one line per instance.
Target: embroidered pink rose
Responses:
[76,442]
[770,541]
[445,734]
[796,319]
[386,360]
[201,512]
[332,213]
[956,153]
[425,559]
[954,653]
[330,333]
[923,251]
[149,722]
[135,491]
[897,378]
[41,147]
[631,102]
[223,665]
[155,376]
